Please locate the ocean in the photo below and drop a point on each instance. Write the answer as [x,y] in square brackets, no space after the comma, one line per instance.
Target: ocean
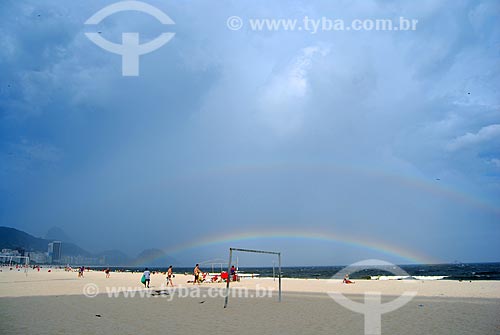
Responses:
[460,271]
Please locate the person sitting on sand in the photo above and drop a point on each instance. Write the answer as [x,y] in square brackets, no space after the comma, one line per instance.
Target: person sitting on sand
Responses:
[170,273]
[346,280]
[203,276]
[147,276]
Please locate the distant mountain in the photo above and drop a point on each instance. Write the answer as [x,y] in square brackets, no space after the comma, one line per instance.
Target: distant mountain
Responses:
[115,257]
[57,234]
[154,257]
[11,238]
[70,249]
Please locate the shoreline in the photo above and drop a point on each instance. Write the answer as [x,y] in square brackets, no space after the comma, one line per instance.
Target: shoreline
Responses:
[60,282]
[459,272]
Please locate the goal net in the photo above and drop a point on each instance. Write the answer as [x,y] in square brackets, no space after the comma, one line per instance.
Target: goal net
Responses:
[231,250]
[19,261]
[14,260]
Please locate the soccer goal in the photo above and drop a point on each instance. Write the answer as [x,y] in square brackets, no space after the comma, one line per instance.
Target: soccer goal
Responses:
[252,251]
[9,260]
[14,260]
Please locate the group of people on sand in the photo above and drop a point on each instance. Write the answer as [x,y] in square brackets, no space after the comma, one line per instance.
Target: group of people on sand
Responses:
[146,277]
[198,276]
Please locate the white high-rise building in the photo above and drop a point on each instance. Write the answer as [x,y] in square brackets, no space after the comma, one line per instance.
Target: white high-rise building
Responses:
[54,251]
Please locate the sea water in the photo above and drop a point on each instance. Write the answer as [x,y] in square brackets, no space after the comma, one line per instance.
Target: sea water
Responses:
[460,271]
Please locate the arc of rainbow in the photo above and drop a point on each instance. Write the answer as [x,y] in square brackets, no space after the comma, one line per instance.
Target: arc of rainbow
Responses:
[240,237]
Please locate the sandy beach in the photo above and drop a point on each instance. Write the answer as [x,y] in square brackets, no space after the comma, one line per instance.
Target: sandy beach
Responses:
[58,302]
[315,139]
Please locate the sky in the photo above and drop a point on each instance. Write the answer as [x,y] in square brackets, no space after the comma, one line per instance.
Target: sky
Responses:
[331,147]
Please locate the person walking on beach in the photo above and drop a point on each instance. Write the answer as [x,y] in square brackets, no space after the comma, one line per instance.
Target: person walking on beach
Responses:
[107,272]
[81,270]
[169,275]
[196,273]
[233,273]
[147,277]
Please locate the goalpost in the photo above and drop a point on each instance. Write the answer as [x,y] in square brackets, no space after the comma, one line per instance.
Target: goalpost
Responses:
[258,252]
[10,260]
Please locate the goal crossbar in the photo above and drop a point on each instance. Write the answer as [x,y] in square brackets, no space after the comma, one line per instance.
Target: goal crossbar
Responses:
[254,251]
[10,260]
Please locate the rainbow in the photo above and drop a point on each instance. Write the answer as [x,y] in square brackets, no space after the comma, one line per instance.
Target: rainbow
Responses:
[237,239]
[424,185]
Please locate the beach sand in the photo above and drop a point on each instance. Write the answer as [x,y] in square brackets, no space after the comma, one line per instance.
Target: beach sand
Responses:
[54,303]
